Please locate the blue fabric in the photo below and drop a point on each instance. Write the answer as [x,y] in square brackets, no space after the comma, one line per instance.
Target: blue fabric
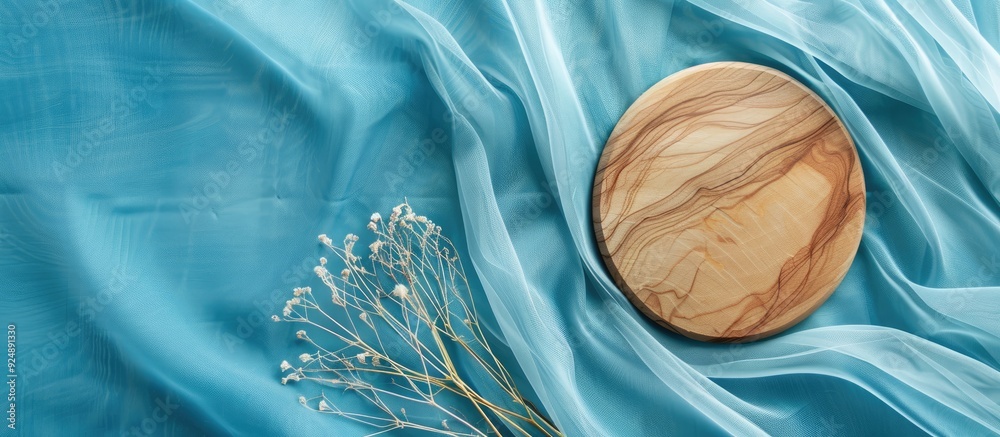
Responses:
[166,165]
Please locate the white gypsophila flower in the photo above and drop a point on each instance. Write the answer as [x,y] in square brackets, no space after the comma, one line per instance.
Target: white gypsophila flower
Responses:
[275,318]
[292,377]
[400,291]
[405,249]
[302,400]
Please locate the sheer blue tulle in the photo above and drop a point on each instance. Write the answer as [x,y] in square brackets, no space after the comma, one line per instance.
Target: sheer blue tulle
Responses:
[165,167]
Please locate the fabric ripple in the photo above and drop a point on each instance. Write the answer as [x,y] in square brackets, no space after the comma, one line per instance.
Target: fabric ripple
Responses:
[165,166]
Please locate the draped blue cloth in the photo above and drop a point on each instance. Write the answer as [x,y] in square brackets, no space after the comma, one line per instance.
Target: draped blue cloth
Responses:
[166,165]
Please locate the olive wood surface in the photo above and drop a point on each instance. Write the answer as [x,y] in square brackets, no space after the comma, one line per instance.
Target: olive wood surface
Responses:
[729,202]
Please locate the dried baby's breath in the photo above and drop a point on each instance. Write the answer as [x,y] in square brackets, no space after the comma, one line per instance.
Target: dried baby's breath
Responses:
[394,335]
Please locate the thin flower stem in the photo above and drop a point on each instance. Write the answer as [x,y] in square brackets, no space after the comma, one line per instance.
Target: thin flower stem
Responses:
[411,303]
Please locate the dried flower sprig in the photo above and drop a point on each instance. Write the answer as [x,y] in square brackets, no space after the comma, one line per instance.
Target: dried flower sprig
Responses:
[396,334]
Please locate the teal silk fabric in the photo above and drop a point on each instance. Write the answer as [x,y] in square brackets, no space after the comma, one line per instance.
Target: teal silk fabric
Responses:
[166,165]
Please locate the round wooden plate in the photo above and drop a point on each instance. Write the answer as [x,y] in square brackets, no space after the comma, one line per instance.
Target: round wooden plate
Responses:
[729,202]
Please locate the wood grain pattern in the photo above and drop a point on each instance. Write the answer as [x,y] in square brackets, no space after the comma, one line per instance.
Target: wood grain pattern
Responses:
[729,202]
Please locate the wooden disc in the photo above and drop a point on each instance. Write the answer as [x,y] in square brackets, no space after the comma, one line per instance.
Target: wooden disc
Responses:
[729,202]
